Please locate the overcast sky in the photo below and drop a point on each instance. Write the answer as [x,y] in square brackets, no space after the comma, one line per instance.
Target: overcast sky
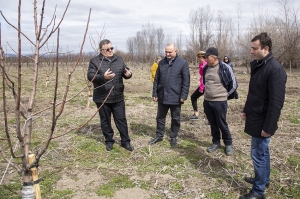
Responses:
[121,18]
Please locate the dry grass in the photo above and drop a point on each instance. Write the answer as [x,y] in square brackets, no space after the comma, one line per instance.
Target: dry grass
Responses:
[78,166]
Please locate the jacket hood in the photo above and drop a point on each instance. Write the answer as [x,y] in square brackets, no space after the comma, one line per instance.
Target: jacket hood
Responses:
[227,57]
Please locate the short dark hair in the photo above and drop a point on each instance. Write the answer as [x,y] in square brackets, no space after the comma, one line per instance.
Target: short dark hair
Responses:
[103,42]
[264,39]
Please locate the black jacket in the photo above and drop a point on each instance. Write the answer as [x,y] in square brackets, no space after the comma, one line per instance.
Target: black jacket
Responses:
[102,86]
[227,78]
[265,96]
[172,81]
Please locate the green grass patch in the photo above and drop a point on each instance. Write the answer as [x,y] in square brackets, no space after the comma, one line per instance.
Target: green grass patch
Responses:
[114,184]
[294,160]
[11,190]
[47,188]
[176,186]
[294,119]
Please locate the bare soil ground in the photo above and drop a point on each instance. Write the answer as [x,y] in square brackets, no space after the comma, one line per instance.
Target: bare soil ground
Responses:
[82,165]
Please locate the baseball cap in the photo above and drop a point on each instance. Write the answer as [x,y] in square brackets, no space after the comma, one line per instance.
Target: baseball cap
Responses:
[211,51]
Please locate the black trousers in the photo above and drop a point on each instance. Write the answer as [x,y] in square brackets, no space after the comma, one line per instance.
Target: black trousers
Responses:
[216,115]
[118,111]
[162,111]
[196,94]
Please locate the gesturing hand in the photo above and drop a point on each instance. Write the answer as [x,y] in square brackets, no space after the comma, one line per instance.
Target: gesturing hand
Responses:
[127,72]
[108,75]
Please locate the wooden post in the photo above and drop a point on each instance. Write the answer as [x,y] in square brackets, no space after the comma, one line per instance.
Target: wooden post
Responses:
[35,177]
[47,80]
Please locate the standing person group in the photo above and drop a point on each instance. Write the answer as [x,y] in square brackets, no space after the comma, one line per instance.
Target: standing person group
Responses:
[262,110]
[200,90]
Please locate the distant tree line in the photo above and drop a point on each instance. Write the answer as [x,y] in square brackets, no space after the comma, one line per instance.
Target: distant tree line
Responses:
[210,28]
[207,28]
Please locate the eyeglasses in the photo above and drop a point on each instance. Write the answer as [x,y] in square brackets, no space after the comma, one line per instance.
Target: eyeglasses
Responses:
[108,49]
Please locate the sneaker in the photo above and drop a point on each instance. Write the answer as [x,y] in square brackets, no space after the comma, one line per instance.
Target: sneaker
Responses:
[193,117]
[228,150]
[213,147]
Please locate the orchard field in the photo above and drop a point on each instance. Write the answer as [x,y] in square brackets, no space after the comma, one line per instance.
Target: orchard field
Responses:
[77,164]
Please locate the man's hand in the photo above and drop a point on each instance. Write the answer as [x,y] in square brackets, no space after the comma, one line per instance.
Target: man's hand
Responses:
[181,100]
[243,115]
[155,99]
[264,134]
[127,72]
[108,75]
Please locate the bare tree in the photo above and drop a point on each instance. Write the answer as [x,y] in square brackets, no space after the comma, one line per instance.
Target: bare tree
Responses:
[223,39]
[200,22]
[160,38]
[288,28]
[146,45]
[178,43]
[27,112]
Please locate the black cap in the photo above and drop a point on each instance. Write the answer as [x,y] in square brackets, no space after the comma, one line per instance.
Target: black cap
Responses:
[211,51]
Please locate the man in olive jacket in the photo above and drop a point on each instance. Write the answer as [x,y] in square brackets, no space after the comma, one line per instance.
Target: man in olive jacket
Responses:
[262,110]
[107,71]
[170,90]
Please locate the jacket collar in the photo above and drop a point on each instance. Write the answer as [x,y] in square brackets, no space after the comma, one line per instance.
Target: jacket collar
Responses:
[257,64]
[172,60]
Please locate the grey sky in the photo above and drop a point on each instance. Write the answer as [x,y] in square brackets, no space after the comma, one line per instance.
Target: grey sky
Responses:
[122,19]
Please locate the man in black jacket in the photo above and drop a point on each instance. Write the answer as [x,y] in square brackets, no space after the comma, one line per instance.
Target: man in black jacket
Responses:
[107,71]
[170,90]
[262,110]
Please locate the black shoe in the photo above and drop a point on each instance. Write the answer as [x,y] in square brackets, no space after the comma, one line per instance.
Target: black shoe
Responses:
[193,117]
[173,142]
[250,180]
[213,147]
[155,140]
[109,146]
[127,146]
[252,195]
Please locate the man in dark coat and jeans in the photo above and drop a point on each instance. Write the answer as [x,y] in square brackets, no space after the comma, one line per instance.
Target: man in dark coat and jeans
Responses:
[107,71]
[262,110]
[170,90]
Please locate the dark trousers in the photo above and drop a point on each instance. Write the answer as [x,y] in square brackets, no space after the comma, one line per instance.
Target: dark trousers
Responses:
[216,115]
[162,111]
[196,94]
[118,111]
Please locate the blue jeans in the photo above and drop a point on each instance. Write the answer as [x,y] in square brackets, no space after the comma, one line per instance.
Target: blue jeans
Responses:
[261,161]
